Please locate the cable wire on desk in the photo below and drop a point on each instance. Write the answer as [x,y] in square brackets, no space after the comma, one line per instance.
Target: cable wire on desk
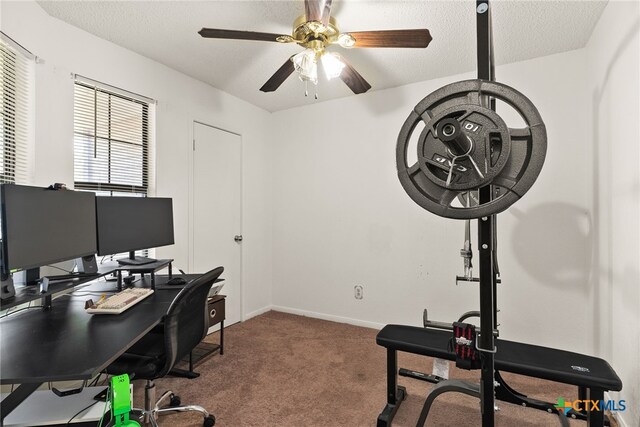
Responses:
[95,381]
[80,411]
[61,269]
[99,293]
[84,285]
[104,410]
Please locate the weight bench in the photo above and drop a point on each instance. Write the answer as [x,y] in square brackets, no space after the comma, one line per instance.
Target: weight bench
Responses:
[592,376]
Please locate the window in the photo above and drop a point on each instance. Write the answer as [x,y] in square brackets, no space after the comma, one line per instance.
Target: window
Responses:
[112,132]
[112,146]
[16,71]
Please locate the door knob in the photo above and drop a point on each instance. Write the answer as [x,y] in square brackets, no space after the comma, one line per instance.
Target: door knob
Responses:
[238,238]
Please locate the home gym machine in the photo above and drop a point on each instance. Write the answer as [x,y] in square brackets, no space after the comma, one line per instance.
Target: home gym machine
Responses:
[471,165]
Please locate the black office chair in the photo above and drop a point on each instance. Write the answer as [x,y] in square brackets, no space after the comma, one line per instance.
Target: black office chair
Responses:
[184,326]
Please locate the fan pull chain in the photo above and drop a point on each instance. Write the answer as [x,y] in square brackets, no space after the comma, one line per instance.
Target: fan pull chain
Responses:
[306,90]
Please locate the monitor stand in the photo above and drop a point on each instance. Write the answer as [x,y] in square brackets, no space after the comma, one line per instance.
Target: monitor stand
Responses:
[135,260]
[32,277]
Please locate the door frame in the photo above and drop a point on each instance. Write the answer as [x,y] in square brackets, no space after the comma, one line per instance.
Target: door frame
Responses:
[191,198]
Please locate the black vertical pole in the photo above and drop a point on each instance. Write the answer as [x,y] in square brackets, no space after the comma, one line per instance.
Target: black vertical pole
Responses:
[486,341]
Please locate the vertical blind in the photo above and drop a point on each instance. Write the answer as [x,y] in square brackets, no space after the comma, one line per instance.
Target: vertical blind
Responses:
[112,141]
[16,70]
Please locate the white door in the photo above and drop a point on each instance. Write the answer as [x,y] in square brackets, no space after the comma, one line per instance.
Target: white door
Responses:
[217,210]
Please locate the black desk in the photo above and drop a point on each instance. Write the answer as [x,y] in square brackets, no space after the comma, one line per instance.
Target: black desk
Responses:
[66,343]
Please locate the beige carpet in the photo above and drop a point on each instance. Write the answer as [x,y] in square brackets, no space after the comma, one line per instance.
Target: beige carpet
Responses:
[285,370]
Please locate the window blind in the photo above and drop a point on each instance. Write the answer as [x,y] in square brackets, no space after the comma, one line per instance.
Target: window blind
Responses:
[112,141]
[16,71]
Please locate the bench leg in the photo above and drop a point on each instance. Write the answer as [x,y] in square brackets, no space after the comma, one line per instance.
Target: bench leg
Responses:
[395,393]
[595,418]
[582,393]
[505,393]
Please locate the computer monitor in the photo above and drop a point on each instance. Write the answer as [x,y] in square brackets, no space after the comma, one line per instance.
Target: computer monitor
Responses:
[128,224]
[42,226]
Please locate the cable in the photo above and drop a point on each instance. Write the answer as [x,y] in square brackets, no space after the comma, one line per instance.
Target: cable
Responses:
[61,269]
[84,285]
[95,381]
[92,293]
[104,410]
[80,411]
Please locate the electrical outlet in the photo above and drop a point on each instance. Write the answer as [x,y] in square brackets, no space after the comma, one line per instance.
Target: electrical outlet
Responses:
[358,291]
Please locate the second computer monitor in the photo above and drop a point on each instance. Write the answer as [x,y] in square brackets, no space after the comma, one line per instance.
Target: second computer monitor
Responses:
[128,224]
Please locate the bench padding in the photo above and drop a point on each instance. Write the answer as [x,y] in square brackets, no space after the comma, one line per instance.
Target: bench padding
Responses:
[525,359]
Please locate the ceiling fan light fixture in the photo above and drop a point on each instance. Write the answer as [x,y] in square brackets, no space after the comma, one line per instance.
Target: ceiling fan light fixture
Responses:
[346,40]
[306,64]
[332,65]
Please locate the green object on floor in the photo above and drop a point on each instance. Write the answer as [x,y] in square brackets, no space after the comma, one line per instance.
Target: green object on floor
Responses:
[121,401]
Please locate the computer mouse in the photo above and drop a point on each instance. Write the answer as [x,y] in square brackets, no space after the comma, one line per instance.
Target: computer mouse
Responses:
[176,281]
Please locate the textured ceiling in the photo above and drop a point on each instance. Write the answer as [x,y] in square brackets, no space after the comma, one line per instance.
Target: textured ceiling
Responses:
[166,31]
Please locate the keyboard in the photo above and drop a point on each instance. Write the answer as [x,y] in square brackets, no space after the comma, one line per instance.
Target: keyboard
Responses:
[120,302]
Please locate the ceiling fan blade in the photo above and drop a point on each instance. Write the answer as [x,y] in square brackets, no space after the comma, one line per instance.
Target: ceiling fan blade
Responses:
[214,33]
[317,10]
[392,38]
[279,77]
[353,79]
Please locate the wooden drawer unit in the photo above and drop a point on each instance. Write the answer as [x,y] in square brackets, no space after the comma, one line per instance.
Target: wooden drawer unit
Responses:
[216,309]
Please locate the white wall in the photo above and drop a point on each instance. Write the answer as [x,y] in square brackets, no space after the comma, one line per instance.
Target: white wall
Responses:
[342,218]
[181,100]
[614,64]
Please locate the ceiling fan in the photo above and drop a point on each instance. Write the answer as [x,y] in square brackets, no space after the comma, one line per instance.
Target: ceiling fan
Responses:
[315,31]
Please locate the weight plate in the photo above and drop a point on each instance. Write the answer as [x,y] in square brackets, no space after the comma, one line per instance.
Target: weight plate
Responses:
[509,159]
[489,141]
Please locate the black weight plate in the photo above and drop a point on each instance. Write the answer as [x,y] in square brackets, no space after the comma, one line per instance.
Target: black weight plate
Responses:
[514,178]
[485,126]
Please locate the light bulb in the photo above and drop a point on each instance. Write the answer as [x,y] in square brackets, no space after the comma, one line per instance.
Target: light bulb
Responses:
[306,65]
[332,65]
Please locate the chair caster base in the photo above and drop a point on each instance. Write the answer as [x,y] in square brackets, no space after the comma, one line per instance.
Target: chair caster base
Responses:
[174,400]
[209,421]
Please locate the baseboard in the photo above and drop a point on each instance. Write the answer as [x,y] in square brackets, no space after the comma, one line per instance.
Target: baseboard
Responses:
[330,317]
[618,416]
[620,420]
[258,312]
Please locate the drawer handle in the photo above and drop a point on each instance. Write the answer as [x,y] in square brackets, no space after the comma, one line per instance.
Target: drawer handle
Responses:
[212,313]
